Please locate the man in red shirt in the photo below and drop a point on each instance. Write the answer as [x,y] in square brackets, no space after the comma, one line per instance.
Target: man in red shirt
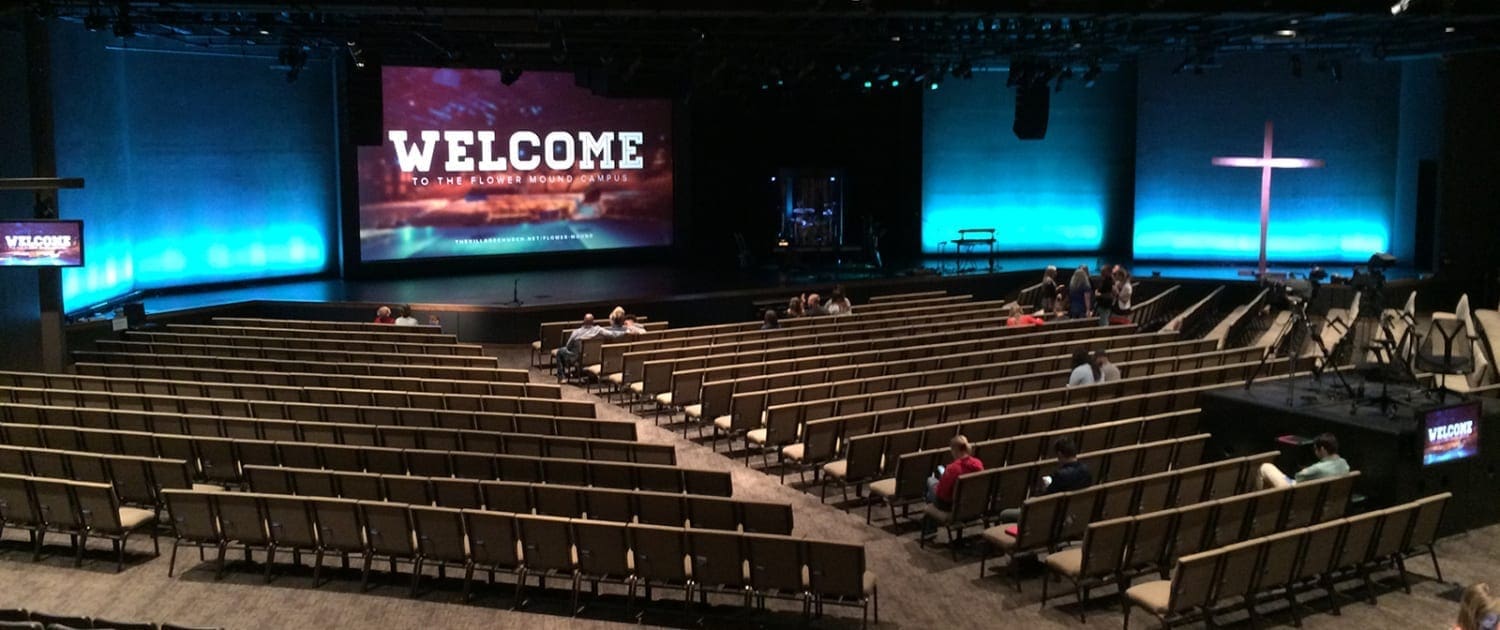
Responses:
[940,490]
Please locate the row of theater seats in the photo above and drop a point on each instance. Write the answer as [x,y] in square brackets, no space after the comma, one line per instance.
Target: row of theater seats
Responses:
[22,619]
[1208,583]
[79,509]
[341,390]
[694,560]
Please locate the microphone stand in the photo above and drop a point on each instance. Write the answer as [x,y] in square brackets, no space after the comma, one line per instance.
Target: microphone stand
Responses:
[515,294]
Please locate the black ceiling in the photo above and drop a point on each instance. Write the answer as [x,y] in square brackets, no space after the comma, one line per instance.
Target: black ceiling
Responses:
[753,42]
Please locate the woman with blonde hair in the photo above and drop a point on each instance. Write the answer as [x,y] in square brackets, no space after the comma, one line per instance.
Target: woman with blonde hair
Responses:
[1080,293]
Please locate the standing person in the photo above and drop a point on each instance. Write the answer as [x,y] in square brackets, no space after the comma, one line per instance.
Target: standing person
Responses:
[383,315]
[1103,368]
[1104,297]
[940,486]
[1048,293]
[1083,369]
[406,319]
[1124,294]
[1080,293]
[838,303]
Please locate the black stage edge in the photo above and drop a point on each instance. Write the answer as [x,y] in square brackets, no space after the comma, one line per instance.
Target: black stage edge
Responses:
[1384,446]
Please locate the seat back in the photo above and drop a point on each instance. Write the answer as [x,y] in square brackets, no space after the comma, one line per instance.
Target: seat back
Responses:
[1038,522]
[193,515]
[835,569]
[1279,562]
[546,542]
[1429,516]
[1191,527]
[241,518]
[1395,524]
[602,548]
[1150,539]
[1320,550]
[775,563]
[492,538]
[1238,569]
[1104,544]
[289,521]
[340,524]
[16,505]
[98,506]
[1358,541]
[1302,504]
[1193,581]
[863,458]
[757,517]
[440,533]
[718,558]
[660,553]
[1077,511]
[388,529]
[55,504]
[1336,498]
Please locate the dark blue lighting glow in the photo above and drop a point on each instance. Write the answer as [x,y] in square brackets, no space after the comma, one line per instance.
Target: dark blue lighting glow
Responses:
[1048,195]
[1189,209]
[198,169]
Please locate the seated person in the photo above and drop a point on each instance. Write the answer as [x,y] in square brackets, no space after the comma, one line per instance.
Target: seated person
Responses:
[815,306]
[1083,369]
[383,315]
[769,321]
[1107,371]
[838,303]
[568,353]
[406,319]
[1329,464]
[631,327]
[794,307]
[1020,318]
[940,486]
[1069,475]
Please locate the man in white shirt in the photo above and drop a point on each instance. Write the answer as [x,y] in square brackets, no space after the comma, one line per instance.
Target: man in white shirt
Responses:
[1083,369]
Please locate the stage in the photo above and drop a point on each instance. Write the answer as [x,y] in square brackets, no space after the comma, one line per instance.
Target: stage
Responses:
[1384,445]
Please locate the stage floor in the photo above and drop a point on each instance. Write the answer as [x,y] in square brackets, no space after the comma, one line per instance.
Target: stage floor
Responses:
[639,282]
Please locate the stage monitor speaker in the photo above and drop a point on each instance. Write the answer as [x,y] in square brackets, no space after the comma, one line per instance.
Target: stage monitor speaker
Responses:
[1032,105]
[135,314]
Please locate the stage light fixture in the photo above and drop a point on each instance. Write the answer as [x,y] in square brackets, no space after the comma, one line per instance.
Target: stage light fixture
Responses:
[869,85]
[1400,7]
[1450,29]
[933,84]
[1287,33]
[895,82]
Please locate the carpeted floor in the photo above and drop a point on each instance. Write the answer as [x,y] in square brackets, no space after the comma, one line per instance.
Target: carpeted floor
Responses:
[919,588]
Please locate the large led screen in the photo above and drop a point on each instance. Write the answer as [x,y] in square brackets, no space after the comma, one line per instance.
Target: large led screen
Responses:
[470,166]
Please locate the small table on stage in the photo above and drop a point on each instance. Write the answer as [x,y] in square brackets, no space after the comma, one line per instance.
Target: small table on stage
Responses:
[969,239]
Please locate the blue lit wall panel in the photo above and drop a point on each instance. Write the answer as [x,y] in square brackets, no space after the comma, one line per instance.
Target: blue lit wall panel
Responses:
[1040,195]
[199,169]
[1186,208]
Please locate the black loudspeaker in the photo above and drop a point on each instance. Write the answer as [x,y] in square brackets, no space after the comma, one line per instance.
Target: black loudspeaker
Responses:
[135,313]
[1032,105]
[365,109]
[1426,228]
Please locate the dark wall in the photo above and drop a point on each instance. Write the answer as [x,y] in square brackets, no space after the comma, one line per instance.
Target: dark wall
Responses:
[20,326]
[739,142]
[1469,189]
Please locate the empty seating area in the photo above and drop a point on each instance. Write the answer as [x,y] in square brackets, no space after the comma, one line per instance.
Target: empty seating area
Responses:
[371,442]
[22,619]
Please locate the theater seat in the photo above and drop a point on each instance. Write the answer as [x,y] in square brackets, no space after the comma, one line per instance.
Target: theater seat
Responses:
[1154,596]
[694,411]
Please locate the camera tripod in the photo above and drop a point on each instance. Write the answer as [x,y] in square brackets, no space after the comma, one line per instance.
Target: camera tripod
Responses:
[1299,323]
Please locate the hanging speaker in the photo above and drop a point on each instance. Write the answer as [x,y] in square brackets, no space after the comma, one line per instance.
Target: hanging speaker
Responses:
[1032,105]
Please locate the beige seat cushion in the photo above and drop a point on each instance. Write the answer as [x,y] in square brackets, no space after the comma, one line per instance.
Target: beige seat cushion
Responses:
[207,487]
[998,537]
[536,345]
[664,398]
[554,352]
[1068,562]
[693,411]
[756,436]
[1153,596]
[638,387]
[616,378]
[131,518]
[884,487]
[869,583]
[837,469]
[594,369]
[793,451]
[723,422]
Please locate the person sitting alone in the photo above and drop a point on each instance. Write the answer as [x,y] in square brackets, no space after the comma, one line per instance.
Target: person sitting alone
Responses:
[769,321]
[568,353]
[1021,318]
[940,486]
[1106,370]
[1329,464]
[383,315]
[1083,370]
[1069,475]
[815,306]
[406,319]
[838,303]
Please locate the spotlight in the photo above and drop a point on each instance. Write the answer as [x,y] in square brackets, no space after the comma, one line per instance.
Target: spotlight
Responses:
[933,84]
[1400,7]
[895,82]
[1450,29]
[869,84]
[1287,33]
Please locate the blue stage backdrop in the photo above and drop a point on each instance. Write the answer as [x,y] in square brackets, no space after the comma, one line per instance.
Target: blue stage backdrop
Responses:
[1189,209]
[1048,195]
[199,169]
